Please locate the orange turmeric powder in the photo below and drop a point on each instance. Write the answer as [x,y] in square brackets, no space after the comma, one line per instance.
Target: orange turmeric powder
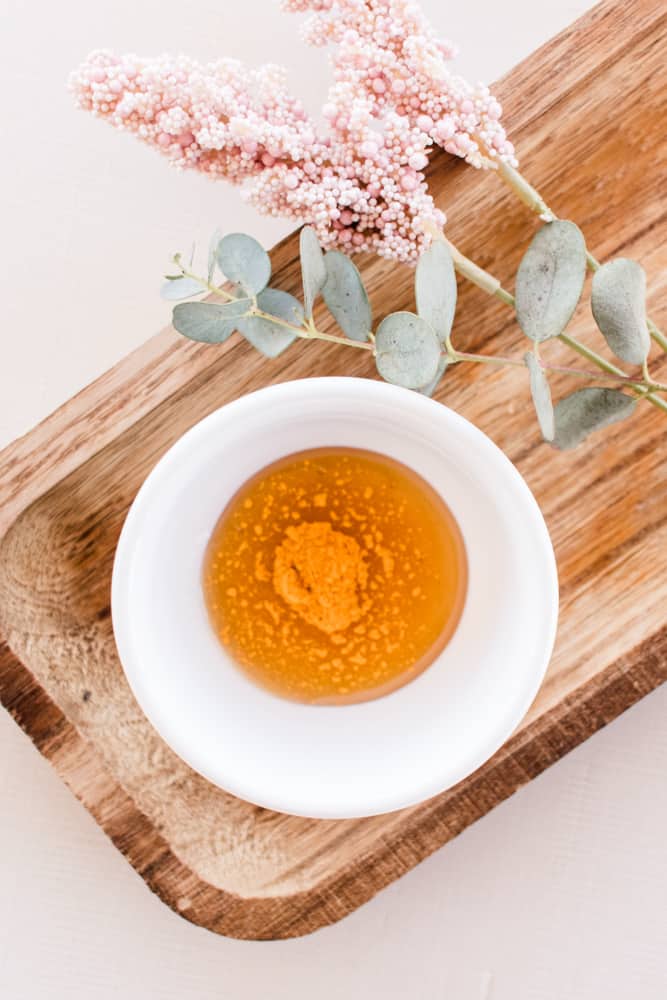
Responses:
[335,575]
[322,574]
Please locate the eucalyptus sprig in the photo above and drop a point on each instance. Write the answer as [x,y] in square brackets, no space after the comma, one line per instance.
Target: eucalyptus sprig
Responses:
[415,349]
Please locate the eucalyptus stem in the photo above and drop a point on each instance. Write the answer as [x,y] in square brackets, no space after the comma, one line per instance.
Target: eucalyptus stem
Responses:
[213,289]
[536,203]
[656,333]
[492,286]
[310,332]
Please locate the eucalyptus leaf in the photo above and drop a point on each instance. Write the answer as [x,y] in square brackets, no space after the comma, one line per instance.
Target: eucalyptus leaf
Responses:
[270,338]
[208,322]
[435,288]
[345,296]
[213,254]
[181,287]
[539,388]
[618,301]
[430,387]
[588,410]
[313,271]
[550,280]
[407,350]
[243,260]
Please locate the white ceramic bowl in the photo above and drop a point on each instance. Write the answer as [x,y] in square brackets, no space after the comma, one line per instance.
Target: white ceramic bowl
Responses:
[334,761]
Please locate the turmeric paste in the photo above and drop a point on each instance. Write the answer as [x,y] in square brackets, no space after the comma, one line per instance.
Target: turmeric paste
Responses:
[335,575]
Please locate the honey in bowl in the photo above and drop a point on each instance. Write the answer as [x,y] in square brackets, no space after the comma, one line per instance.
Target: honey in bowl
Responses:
[335,576]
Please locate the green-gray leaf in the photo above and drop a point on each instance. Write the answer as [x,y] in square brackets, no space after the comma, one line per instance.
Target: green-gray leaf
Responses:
[313,271]
[181,288]
[407,350]
[430,387]
[213,254]
[243,260]
[539,388]
[550,280]
[587,410]
[271,339]
[618,301]
[345,296]
[435,288]
[208,322]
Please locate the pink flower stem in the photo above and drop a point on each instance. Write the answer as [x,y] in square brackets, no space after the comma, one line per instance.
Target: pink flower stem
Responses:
[468,269]
[536,203]
[495,359]
[488,283]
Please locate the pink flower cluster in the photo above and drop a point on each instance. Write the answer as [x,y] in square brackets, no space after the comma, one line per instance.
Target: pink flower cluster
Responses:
[358,177]
[388,54]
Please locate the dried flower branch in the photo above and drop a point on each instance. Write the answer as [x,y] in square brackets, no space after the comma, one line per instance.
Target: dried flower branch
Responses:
[357,178]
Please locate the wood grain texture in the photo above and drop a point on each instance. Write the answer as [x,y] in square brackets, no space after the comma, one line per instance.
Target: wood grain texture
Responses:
[586,113]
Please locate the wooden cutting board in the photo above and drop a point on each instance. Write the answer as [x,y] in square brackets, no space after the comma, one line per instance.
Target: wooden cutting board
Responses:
[587,113]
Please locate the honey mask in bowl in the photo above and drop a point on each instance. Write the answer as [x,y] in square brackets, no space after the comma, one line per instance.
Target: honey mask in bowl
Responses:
[379,754]
[335,575]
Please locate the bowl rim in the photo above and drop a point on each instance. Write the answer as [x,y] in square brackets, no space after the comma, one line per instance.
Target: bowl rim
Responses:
[497,734]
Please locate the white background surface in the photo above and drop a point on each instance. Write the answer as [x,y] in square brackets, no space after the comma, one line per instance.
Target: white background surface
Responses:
[560,892]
